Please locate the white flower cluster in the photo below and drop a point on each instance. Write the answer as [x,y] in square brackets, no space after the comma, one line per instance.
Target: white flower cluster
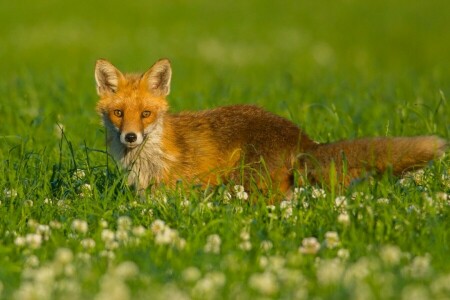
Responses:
[164,235]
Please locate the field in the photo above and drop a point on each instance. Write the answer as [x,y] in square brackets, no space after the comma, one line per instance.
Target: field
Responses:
[71,229]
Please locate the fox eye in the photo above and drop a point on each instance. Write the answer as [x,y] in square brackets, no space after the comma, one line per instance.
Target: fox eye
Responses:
[146,113]
[118,113]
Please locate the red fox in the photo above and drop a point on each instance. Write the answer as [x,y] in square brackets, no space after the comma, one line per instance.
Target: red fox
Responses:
[238,143]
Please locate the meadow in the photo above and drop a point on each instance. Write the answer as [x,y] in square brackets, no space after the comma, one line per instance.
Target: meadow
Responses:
[70,228]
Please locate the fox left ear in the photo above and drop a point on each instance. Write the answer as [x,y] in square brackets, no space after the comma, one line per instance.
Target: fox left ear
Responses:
[107,77]
[158,78]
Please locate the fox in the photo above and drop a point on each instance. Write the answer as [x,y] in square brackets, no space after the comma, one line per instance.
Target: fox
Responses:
[236,143]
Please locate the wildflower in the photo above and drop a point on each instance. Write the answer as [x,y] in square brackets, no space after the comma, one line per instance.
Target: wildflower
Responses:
[419,268]
[329,271]
[64,256]
[122,235]
[167,236]
[340,202]
[185,203]
[78,174]
[309,245]
[317,193]
[32,261]
[88,243]
[191,274]
[20,241]
[107,235]
[245,245]
[383,200]
[343,254]
[124,222]
[86,190]
[265,283]
[213,243]
[28,203]
[58,130]
[139,231]
[33,240]
[227,196]
[331,239]
[240,192]
[343,218]
[103,223]
[10,193]
[157,226]
[266,245]
[55,225]
[390,254]
[126,269]
[79,226]
[415,292]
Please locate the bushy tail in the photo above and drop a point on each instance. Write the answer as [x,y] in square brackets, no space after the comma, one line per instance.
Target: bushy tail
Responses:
[354,158]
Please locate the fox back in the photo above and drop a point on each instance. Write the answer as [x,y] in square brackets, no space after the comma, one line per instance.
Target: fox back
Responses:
[240,143]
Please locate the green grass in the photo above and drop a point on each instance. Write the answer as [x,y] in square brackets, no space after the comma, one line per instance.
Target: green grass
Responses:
[339,69]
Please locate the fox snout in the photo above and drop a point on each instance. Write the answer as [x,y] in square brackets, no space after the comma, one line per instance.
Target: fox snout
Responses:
[131,139]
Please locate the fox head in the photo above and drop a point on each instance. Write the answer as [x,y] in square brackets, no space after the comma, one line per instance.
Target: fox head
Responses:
[132,106]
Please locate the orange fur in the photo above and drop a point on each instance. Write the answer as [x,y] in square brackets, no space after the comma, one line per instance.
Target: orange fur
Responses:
[241,143]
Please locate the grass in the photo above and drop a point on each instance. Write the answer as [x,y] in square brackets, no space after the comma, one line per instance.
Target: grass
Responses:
[70,228]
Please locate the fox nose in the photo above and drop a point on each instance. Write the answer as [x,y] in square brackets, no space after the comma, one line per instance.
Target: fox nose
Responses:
[131,137]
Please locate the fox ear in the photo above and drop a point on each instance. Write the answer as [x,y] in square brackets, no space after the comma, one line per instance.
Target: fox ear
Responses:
[107,77]
[158,78]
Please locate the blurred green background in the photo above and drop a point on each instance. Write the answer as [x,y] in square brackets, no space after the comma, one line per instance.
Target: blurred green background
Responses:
[340,69]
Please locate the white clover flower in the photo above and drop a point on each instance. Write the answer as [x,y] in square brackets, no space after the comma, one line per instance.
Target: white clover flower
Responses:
[58,130]
[20,241]
[126,270]
[245,245]
[415,292]
[10,193]
[33,240]
[167,236]
[245,235]
[309,245]
[122,235]
[240,192]
[329,271]
[86,190]
[390,254]
[343,254]
[108,235]
[383,200]
[124,222]
[419,268]
[441,285]
[63,256]
[55,225]
[227,197]
[157,226]
[108,254]
[139,231]
[191,274]
[80,226]
[340,202]
[103,223]
[185,203]
[78,174]
[88,243]
[32,261]
[28,203]
[264,283]
[318,193]
[343,218]
[213,243]
[266,245]
[43,230]
[331,239]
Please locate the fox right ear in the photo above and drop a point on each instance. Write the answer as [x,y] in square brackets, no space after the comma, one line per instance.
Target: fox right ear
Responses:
[107,77]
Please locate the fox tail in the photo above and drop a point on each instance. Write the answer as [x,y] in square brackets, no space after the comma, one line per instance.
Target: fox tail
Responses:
[352,159]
